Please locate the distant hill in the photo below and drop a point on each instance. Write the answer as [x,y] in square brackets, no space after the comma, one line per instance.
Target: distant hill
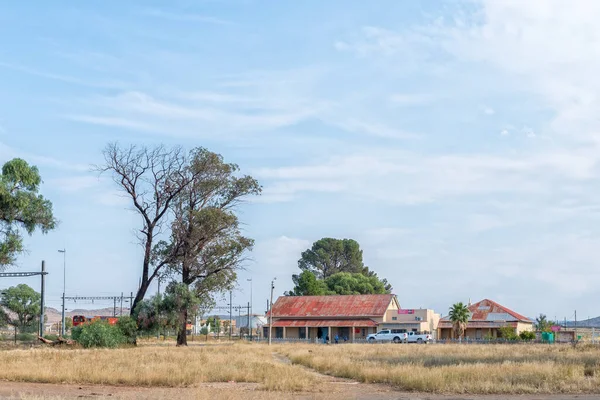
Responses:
[590,323]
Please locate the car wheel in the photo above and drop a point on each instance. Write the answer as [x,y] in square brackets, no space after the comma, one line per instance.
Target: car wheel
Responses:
[420,341]
[396,339]
[371,340]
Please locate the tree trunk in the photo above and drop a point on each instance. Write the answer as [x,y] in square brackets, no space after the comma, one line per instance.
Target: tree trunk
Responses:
[182,333]
[145,283]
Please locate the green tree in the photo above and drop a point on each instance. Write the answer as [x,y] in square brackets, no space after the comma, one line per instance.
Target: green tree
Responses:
[20,306]
[329,256]
[354,283]
[215,324]
[542,324]
[206,246]
[153,178]
[21,208]
[459,316]
[204,331]
[307,284]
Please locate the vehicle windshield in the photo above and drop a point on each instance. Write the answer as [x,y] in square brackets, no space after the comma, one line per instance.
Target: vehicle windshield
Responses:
[382,332]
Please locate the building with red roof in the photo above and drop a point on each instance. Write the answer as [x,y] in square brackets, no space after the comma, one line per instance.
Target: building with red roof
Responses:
[347,316]
[487,317]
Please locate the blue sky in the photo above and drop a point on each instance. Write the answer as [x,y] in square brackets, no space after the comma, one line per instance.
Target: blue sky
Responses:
[458,142]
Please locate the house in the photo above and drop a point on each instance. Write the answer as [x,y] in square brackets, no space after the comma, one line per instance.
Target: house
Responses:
[487,317]
[348,316]
[412,320]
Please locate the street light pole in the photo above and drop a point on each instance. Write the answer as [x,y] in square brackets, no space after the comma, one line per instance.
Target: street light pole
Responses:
[271,310]
[250,311]
[62,324]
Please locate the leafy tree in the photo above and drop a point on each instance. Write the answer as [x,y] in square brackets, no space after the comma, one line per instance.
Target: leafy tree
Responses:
[206,246]
[343,283]
[542,324]
[24,304]
[307,284]
[215,324]
[160,313]
[226,324]
[347,283]
[204,331]
[329,256]
[21,208]
[459,316]
[152,178]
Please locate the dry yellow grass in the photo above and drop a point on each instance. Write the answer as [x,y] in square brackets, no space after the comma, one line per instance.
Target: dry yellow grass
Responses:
[483,369]
[155,366]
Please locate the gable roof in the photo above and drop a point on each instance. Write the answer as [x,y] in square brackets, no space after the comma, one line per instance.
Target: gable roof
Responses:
[490,311]
[364,305]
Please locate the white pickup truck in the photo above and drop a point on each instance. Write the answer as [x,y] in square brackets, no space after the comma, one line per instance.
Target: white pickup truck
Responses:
[388,335]
[415,337]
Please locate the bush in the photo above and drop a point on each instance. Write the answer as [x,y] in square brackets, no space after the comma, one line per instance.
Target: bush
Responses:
[76,332]
[51,337]
[527,335]
[128,328]
[98,334]
[508,333]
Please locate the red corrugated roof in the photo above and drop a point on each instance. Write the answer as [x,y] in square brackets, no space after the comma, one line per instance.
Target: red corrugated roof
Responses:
[366,305]
[481,312]
[313,323]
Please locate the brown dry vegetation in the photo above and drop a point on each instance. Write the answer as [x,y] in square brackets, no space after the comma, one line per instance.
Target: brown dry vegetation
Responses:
[475,369]
[155,366]
[480,369]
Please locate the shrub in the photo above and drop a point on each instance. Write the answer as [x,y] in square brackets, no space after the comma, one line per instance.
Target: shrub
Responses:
[128,328]
[76,332]
[98,334]
[508,333]
[26,337]
[527,335]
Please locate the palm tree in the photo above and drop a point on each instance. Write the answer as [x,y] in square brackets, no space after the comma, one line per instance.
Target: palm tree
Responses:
[542,323]
[459,316]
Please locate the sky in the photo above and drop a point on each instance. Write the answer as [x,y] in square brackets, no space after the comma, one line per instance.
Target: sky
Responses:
[457,142]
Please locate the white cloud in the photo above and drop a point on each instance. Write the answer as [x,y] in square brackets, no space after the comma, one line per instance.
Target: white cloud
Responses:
[504,132]
[488,110]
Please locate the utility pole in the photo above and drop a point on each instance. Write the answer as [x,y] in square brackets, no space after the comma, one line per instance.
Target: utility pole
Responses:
[575,325]
[230,311]
[43,291]
[271,311]
[250,311]
[249,327]
[62,327]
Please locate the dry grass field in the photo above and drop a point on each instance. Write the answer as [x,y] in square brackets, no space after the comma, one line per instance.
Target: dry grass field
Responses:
[155,366]
[480,369]
[442,369]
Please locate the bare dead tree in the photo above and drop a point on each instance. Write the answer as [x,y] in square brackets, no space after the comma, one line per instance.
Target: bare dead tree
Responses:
[152,178]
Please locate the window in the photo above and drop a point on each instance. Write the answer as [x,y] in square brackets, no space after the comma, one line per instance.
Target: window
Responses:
[302,333]
[279,332]
[394,318]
